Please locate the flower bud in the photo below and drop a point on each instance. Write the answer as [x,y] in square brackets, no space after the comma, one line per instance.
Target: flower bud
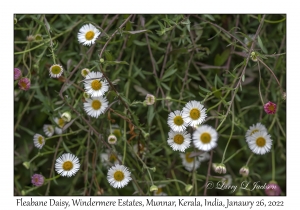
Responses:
[153,188]
[219,168]
[244,171]
[66,116]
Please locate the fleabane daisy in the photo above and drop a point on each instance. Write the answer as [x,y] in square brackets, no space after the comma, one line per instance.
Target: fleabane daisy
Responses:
[140,149]
[56,71]
[95,106]
[193,113]
[159,191]
[255,128]
[94,85]
[67,165]
[108,158]
[118,176]
[39,141]
[260,142]
[48,129]
[188,162]
[205,138]
[176,122]
[85,72]
[88,34]
[179,141]
[60,122]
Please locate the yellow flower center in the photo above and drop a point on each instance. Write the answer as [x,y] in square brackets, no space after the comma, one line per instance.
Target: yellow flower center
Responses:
[178,120]
[23,84]
[188,158]
[96,84]
[260,141]
[119,176]
[112,158]
[254,131]
[111,139]
[40,140]
[195,114]
[96,104]
[55,69]
[158,191]
[178,139]
[205,138]
[67,166]
[89,35]
[61,122]
[271,108]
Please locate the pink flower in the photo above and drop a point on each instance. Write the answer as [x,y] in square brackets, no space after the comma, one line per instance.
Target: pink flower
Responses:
[17,73]
[272,189]
[270,108]
[24,83]
[37,180]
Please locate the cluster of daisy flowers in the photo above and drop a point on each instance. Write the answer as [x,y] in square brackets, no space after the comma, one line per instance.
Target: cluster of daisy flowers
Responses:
[23,82]
[193,114]
[204,136]
[258,139]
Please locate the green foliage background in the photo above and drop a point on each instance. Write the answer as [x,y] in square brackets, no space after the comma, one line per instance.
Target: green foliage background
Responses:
[179,57]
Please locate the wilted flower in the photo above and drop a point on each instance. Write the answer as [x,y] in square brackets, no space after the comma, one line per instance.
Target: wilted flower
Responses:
[24,83]
[17,73]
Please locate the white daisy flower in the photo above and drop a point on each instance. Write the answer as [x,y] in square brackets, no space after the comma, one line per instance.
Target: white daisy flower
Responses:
[259,142]
[176,122]
[94,85]
[48,129]
[95,106]
[179,141]
[60,122]
[108,158]
[88,34]
[56,71]
[38,140]
[193,113]
[150,99]
[188,162]
[205,138]
[67,165]
[256,128]
[118,176]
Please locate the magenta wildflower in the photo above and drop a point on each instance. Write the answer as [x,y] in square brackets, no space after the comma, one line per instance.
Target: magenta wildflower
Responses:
[24,83]
[270,108]
[272,189]
[37,180]
[17,73]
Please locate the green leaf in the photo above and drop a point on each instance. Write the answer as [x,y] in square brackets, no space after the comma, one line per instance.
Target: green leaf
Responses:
[210,17]
[115,62]
[169,72]
[217,93]
[108,56]
[139,43]
[136,32]
[150,114]
[221,59]
[261,45]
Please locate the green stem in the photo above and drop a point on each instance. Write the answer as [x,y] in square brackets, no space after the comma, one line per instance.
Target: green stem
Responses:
[55,177]
[234,154]
[249,159]
[273,163]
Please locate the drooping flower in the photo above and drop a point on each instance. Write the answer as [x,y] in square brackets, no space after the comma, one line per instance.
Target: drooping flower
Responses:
[244,171]
[272,189]
[85,72]
[108,158]
[256,128]
[48,129]
[219,168]
[188,162]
